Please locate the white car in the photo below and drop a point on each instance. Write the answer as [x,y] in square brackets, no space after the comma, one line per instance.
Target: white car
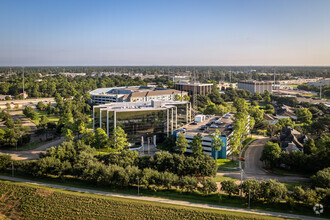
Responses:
[214,126]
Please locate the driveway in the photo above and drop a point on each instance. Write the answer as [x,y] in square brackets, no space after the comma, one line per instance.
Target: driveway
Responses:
[34,153]
[254,166]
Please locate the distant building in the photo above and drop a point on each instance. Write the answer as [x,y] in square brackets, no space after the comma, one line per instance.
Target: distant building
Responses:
[323,82]
[256,86]
[199,88]
[73,74]
[179,78]
[134,94]
[142,120]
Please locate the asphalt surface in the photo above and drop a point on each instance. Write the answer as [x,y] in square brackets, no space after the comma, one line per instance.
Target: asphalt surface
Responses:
[161,200]
[254,166]
[34,153]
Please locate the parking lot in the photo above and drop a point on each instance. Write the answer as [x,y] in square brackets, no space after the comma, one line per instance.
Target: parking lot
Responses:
[213,122]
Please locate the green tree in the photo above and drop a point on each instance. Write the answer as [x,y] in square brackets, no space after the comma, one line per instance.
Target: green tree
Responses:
[41,105]
[8,106]
[119,139]
[271,153]
[304,115]
[274,191]
[217,142]
[177,97]
[266,96]
[186,98]
[196,145]
[241,105]
[68,134]
[257,96]
[322,178]
[230,187]
[100,138]
[181,144]
[81,128]
[284,123]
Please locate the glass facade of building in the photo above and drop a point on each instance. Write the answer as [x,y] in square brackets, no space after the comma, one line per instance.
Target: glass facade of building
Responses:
[143,122]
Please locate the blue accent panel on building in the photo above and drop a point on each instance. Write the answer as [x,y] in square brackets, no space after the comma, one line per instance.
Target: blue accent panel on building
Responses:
[221,154]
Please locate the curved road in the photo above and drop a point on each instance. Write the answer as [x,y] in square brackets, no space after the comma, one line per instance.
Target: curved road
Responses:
[34,153]
[167,201]
[254,166]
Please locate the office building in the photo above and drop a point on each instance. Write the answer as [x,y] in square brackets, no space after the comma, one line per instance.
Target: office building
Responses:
[143,119]
[256,86]
[194,87]
[133,94]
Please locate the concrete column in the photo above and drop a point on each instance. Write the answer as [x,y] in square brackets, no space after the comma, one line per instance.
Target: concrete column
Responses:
[93,119]
[100,118]
[187,113]
[176,117]
[114,120]
[108,123]
[167,123]
[172,120]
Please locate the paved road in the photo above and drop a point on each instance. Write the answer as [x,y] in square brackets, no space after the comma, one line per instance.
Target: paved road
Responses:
[168,201]
[254,167]
[34,153]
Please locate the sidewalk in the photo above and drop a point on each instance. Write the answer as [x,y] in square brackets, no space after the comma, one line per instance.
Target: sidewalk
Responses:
[160,200]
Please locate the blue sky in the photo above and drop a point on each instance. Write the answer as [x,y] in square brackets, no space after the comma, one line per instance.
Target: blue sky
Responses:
[158,32]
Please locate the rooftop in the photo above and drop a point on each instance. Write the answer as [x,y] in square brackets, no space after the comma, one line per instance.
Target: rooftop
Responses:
[256,82]
[139,106]
[194,83]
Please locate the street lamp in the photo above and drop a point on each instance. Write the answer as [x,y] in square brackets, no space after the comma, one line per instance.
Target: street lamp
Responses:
[138,185]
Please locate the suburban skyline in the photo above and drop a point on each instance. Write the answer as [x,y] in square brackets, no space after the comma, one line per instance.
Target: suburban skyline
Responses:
[218,33]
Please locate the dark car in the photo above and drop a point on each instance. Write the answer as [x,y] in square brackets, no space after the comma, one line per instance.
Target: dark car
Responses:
[216,118]
[193,123]
[208,124]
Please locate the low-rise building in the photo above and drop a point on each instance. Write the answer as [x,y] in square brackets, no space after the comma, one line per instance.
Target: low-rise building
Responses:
[323,82]
[256,86]
[134,94]
[142,120]
[194,87]
[292,140]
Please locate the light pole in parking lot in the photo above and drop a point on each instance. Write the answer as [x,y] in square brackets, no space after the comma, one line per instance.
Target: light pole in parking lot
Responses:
[138,185]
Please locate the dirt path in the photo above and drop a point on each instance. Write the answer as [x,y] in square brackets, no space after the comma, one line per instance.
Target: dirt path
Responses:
[161,200]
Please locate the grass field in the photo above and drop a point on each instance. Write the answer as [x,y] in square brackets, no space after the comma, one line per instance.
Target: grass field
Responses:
[20,200]
[193,197]
[227,164]
[51,118]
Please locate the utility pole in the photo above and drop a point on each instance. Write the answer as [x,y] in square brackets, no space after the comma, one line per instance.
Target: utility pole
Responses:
[12,168]
[138,185]
[23,85]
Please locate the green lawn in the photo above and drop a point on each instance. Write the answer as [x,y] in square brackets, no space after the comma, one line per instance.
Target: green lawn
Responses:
[289,172]
[219,178]
[51,118]
[227,164]
[293,85]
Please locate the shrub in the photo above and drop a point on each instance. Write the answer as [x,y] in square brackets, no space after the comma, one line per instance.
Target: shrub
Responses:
[322,178]
[273,191]
[230,187]
[253,187]
[5,161]
[208,186]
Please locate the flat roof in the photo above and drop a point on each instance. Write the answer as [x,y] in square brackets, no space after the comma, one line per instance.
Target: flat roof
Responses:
[256,82]
[194,84]
[139,106]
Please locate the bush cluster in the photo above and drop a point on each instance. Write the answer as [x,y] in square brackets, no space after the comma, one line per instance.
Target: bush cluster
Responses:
[125,168]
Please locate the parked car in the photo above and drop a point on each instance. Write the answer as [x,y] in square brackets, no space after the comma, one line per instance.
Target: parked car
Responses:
[226,117]
[219,122]
[208,124]
[193,123]
[216,118]
[213,126]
